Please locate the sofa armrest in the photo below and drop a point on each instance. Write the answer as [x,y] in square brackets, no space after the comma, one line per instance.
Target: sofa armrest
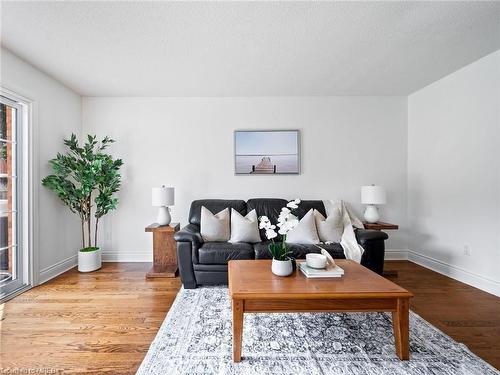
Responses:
[190,233]
[364,235]
[188,242]
[372,242]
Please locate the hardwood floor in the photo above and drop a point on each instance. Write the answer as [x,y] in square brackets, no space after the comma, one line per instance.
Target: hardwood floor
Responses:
[104,322]
[467,314]
[101,322]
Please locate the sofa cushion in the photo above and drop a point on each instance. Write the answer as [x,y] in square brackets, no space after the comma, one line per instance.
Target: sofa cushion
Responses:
[214,205]
[299,251]
[222,252]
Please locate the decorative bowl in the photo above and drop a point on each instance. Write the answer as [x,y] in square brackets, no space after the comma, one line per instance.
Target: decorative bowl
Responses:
[317,261]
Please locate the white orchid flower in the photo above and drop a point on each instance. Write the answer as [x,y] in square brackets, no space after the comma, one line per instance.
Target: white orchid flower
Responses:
[283,231]
[282,221]
[285,213]
[264,222]
[286,221]
[287,226]
[270,234]
[293,222]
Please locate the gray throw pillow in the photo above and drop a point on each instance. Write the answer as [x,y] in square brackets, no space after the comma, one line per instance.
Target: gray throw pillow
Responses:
[214,228]
[305,232]
[331,228]
[244,228]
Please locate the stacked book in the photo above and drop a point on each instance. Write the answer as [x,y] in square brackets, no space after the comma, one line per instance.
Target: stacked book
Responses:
[329,271]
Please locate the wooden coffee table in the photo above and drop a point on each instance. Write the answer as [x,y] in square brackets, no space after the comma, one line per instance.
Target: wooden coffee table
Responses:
[254,288]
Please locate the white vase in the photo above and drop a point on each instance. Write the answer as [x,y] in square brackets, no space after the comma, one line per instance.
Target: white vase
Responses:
[282,267]
[89,261]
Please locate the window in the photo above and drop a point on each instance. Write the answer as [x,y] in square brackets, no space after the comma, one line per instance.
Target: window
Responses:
[14,243]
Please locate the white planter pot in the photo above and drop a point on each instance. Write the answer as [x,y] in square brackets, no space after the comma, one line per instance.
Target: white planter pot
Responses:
[89,261]
[282,267]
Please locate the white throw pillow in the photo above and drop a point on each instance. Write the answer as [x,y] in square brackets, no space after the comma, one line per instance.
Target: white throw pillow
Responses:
[305,232]
[331,228]
[244,228]
[214,227]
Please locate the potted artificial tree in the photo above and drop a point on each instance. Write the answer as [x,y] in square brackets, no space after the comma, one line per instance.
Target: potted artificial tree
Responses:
[86,179]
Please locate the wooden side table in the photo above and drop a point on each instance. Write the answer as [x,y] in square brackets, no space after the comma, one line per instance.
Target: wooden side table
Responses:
[380,225]
[164,250]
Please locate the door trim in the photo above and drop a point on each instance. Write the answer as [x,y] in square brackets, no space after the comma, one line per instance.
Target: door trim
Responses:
[26,224]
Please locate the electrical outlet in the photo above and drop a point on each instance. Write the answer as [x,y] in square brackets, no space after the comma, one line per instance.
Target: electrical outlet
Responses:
[467,250]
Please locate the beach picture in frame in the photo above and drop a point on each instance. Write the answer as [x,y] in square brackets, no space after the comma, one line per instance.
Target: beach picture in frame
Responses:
[266,152]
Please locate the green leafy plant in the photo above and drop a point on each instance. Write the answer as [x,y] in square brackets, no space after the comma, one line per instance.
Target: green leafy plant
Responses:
[86,178]
[279,250]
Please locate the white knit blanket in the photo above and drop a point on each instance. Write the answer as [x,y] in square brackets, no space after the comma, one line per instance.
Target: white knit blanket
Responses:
[352,249]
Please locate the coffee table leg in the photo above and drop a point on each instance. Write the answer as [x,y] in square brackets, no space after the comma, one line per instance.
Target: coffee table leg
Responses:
[237,328]
[401,326]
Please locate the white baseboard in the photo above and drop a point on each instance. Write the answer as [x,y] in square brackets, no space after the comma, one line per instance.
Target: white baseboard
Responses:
[116,256]
[396,254]
[457,273]
[56,269]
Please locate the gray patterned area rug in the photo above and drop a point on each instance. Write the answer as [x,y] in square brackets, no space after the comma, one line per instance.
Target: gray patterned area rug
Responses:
[196,336]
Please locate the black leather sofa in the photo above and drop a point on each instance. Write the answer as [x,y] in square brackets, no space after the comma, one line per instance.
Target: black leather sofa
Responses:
[205,263]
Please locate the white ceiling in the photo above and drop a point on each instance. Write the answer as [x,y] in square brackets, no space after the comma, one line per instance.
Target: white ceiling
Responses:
[249,48]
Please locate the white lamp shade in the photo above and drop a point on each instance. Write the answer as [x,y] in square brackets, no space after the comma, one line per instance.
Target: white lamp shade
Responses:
[372,194]
[162,196]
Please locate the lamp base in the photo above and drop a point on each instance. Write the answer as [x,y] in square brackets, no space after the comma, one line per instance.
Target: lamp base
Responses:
[163,216]
[371,214]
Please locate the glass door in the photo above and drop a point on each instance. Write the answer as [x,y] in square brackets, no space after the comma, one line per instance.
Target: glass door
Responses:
[13,266]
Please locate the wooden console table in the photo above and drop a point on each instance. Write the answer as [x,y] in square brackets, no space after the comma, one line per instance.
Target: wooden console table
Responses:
[164,250]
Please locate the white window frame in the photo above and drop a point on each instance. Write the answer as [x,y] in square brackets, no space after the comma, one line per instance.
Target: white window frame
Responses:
[25,191]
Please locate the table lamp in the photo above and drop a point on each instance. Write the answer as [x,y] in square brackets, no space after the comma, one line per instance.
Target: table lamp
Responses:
[162,197]
[372,195]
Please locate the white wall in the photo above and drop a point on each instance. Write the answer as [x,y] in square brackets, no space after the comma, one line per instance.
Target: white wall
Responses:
[57,113]
[188,143]
[442,143]
[454,174]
